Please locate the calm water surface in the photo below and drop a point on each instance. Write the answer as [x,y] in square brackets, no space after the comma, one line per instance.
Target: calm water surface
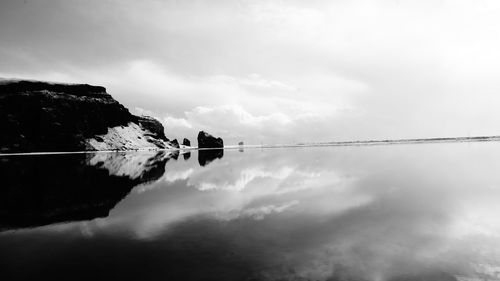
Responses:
[400,212]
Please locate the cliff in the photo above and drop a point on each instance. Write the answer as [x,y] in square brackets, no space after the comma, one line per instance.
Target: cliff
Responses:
[40,116]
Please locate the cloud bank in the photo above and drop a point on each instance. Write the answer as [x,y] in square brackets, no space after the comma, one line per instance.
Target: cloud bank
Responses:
[272,71]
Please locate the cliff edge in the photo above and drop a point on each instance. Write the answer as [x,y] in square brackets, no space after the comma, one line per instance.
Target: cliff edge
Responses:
[40,116]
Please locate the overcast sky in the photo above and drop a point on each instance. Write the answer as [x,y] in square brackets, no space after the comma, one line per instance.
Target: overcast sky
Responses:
[272,71]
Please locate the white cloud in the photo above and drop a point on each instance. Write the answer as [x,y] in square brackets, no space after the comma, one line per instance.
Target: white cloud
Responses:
[356,69]
[172,122]
[234,123]
[235,113]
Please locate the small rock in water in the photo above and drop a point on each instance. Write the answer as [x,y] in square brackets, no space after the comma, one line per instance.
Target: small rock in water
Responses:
[175,143]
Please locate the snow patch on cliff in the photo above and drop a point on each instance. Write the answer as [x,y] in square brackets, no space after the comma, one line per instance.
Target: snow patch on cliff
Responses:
[130,137]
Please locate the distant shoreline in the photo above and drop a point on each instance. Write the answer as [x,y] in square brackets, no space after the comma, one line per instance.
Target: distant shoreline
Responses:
[322,144]
[403,141]
[379,142]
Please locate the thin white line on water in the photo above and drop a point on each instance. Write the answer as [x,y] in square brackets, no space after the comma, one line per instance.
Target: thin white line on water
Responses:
[322,144]
[88,151]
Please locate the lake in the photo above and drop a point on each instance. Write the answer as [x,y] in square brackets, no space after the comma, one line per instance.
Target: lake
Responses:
[394,212]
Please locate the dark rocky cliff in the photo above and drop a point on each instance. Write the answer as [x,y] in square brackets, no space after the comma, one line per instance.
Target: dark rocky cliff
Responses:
[154,126]
[41,116]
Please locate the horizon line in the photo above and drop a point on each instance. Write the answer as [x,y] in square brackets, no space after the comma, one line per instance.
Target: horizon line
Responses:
[311,144]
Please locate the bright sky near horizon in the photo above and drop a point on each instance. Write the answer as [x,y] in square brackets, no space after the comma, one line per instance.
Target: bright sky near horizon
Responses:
[272,71]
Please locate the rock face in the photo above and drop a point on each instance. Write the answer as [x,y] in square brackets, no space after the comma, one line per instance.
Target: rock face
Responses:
[41,116]
[154,126]
[186,142]
[175,143]
[205,140]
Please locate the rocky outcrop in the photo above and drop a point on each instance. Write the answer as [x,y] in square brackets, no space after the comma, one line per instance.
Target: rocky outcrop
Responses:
[186,142]
[175,143]
[130,137]
[153,126]
[205,140]
[40,116]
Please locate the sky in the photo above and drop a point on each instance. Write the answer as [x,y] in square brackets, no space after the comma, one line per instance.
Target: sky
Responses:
[272,71]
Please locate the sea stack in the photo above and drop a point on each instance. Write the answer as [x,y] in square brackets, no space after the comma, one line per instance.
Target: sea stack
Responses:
[205,140]
[186,142]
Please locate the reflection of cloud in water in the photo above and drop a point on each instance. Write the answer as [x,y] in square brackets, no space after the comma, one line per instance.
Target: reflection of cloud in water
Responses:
[257,213]
[173,176]
[237,188]
[356,219]
[210,180]
[373,213]
[170,176]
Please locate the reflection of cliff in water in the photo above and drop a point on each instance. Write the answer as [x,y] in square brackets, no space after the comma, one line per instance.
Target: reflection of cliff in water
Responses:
[205,156]
[175,154]
[45,189]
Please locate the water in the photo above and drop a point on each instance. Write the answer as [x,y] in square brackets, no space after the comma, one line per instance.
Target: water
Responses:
[399,212]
